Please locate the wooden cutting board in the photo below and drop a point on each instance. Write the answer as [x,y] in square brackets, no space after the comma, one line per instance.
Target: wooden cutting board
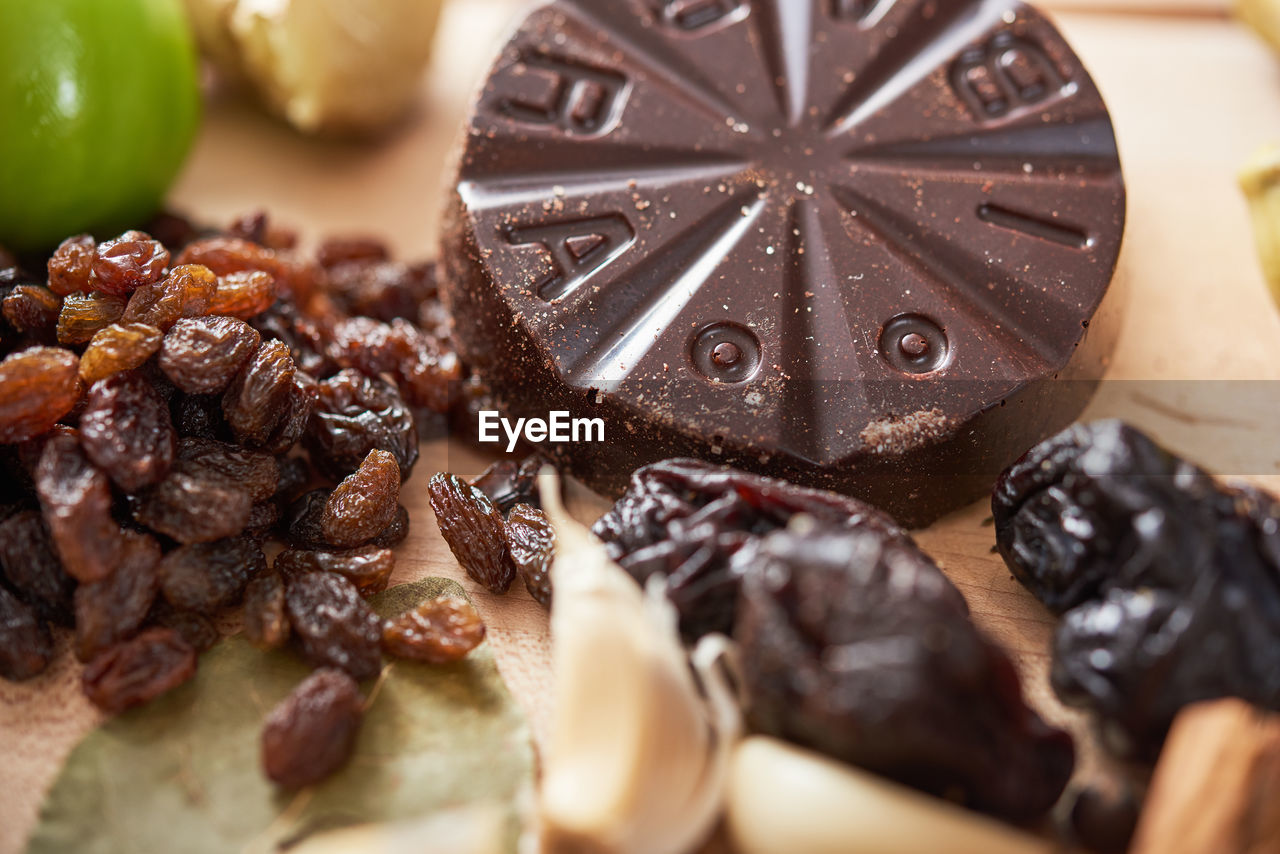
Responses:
[1199,355]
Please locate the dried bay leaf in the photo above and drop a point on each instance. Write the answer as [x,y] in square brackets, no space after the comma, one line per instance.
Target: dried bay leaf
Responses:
[183,773]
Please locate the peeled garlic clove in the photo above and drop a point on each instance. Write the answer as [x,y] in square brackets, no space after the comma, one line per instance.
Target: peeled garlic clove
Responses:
[783,799]
[1260,180]
[637,757]
[1263,16]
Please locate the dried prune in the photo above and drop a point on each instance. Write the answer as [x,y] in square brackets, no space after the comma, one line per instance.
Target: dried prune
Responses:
[302,520]
[126,431]
[76,498]
[356,414]
[71,265]
[201,355]
[205,577]
[110,610]
[193,627]
[37,387]
[474,530]
[255,401]
[364,504]
[32,310]
[85,315]
[25,643]
[265,624]
[532,542]
[125,264]
[334,627]
[139,670]
[437,632]
[1169,581]
[118,347]
[194,504]
[253,472]
[244,294]
[855,644]
[312,732]
[508,483]
[368,568]
[32,568]
[395,533]
[686,519]
[186,292]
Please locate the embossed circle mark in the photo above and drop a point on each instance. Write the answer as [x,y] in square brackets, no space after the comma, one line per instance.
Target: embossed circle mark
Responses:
[914,344]
[726,353]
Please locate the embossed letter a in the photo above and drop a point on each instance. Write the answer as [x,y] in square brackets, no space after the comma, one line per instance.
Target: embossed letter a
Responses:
[579,248]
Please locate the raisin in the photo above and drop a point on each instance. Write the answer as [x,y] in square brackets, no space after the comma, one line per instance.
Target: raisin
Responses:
[202,355]
[110,610]
[171,229]
[295,474]
[508,483]
[1169,582]
[76,498]
[342,250]
[206,577]
[368,568]
[437,632]
[226,255]
[85,315]
[300,402]
[71,266]
[424,368]
[126,431]
[383,290]
[139,670]
[127,263]
[118,347]
[244,295]
[32,568]
[253,472]
[264,518]
[311,734]
[532,542]
[254,402]
[186,292]
[193,627]
[302,520]
[25,643]
[364,504]
[32,310]
[474,530]
[355,415]
[686,519]
[195,505]
[395,533]
[265,623]
[856,645]
[200,416]
[334,627]
[38,386]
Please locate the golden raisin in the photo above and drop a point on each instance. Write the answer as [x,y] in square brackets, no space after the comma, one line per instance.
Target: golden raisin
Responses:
[85,315]
[118,347]
[437,632]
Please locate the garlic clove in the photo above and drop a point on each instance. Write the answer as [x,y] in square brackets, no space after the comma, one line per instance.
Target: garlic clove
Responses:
[783,799]
[1260,180]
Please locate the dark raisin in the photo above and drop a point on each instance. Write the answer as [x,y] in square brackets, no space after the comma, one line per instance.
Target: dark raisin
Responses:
[193,627]
[206,577]
[341,250]
[395,533]
[686,519]
[856,645]
[302,520]
[265,623]
[333,625]
[32,567]
[139,670]
[125,264]
[201,355]
[295,474]
[532,542]
[364,504]
[426,370]
[368,568]
[33,310]
[38,386]
[355,415]
[437,632]
[254,403]
[85,315]
[194,504]
[474,530]
[200,416]
[311,734]
[226,255]
[25,643]
[244,295]
[264,518]
[383,290]
[252,472]
[76,498]
[118,347]
[126,431]
[110,610]
[300,402]
[186,292]
[71,266]
[508,483]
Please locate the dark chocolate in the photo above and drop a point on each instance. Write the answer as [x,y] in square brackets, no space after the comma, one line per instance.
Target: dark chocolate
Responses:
[845,242]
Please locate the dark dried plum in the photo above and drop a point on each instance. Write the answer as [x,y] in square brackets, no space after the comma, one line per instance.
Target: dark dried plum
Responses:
[195,504]
[312,733]
[126,431]
[206,577]
[76,498]
[265,623]
[364,504]
[355,415]
[37,387]
[474,530]
[855,644]
[686,519]
[25,643]
[201,355]
[139,670]
[334,627]
[368,568]
[31,566]
[437,632]
[110,610]
[532,542]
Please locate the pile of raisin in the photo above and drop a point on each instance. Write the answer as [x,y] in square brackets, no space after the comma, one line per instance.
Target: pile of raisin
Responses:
[169,409]
[1168,582]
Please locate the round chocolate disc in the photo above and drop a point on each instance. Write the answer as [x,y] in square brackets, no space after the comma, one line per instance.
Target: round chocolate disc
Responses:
[851,243]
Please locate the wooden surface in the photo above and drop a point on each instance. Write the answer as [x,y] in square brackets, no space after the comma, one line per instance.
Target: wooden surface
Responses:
[1191,95]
